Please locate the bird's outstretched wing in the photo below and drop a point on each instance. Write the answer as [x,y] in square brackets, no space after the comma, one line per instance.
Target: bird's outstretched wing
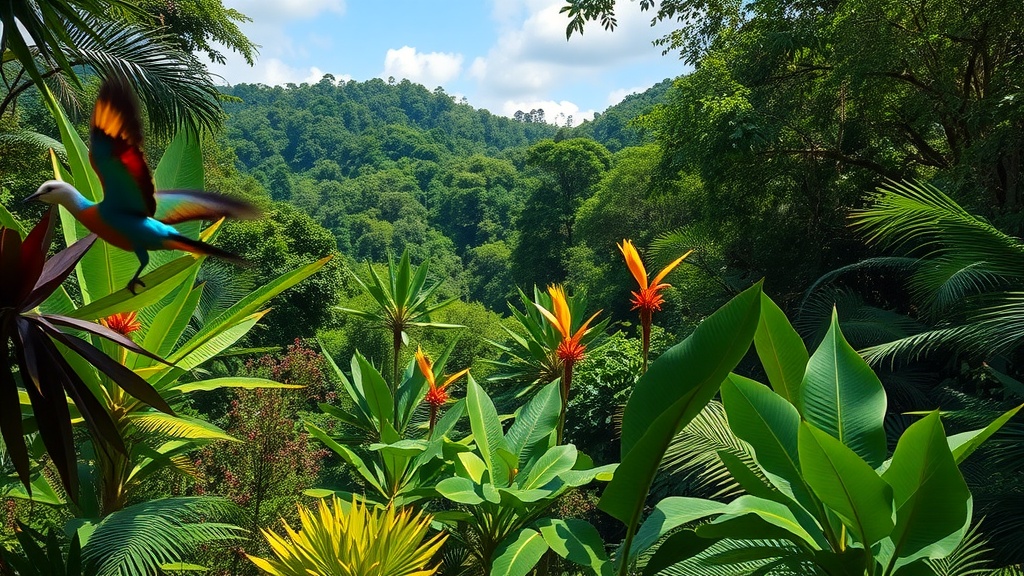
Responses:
[115,139]
[173,206]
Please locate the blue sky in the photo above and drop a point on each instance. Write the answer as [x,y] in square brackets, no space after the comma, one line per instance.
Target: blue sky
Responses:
[503,55]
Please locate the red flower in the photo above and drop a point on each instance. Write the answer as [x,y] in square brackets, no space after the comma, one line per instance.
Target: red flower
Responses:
[436,395]
[649,298]
[123,323]
[570,349]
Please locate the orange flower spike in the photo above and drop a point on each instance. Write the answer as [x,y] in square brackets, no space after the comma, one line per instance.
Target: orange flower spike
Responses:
[425,368]
[561,318]
[648,298]
[635,264]
[124,323]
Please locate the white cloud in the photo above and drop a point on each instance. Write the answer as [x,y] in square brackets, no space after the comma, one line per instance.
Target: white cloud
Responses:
[270,71]
[554,112]
[428,68]
[617,96]
[532,58]
[277,10]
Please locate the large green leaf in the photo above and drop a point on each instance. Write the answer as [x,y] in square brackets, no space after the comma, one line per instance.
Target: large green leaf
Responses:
[535,422]
[159,283]
[771,425]
[460,490]
[483,421]
[246,306]
[846,484]
[577,541]
[518,554]
[230,382]
[375,390]
[770,512]
[671,513]
[676,548]
[671,393]
[933,503]
[550,465]
[841,395]
[965,443]
[781,350]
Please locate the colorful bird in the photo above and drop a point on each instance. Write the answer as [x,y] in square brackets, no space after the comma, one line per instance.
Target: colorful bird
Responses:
[132,215]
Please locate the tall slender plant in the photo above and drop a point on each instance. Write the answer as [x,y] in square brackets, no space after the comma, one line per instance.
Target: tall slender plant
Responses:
[403,302]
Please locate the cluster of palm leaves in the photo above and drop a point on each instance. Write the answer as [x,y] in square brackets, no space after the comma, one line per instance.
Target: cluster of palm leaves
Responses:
[49,42]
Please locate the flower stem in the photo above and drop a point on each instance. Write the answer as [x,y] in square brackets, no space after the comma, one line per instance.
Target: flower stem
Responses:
[565,384]
[645,323]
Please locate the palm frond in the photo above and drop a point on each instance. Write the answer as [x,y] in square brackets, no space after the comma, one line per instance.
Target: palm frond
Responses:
[692,458]
[746,558]
[969,558]
[174,86]
[863,324]
[918,216]
[992,330]
[27,139]
[136,541]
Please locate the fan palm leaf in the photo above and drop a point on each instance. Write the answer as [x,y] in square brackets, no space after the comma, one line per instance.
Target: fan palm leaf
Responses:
[138,540]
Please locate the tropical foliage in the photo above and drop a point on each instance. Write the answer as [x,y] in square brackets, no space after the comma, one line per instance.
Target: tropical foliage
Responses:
[382,385]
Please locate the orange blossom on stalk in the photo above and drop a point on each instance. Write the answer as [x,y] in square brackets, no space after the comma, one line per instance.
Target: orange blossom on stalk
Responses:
[648,298]
[436,395]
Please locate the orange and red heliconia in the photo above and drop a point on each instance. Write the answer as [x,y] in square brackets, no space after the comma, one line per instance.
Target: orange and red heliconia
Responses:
[437,395]
[571,349]
[124,323]
[648,298]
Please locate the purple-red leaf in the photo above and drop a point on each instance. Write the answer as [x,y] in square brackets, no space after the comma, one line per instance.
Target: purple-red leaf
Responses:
[10,415]
[103,332]
[125,378]
[56,270]
[10,266]
[50,408]
[95,415]
[33,252]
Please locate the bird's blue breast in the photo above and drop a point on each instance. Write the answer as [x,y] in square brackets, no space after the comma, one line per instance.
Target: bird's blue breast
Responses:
[144,233]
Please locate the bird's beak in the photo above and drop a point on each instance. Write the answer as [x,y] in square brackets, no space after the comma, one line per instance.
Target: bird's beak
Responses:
[32,196]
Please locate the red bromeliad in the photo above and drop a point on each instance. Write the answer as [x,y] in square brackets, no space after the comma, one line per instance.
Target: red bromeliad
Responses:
[648,298]
[436,396]
[570,349]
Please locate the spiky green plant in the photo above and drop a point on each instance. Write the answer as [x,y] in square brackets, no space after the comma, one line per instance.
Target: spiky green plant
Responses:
[403,302]
[352,539]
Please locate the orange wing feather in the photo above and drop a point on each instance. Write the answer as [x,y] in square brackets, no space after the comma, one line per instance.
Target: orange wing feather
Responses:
[116,129]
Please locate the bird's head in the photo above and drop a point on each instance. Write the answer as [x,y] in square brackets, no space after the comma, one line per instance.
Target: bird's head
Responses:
[55,192]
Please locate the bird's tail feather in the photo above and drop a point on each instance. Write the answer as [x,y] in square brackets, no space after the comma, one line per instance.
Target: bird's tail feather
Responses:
[186,244]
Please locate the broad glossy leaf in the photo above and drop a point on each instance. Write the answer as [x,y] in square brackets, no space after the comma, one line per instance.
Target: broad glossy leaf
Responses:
[159,283]
[247,306]
[671,393]
[770,424]
[842,396]
[518,554]
[557,460]
[773,513]
[483,420]
[461,490]
[577,541]
[933,503]
[536,420]
[846,484]
[965,443]
[671,513]
[375,389]
[781,350]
